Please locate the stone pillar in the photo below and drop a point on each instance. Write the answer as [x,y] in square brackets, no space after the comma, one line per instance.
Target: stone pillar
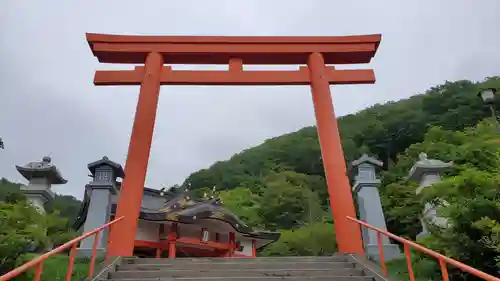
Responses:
[370,206]
[426,172]
[100,190]
[41,176]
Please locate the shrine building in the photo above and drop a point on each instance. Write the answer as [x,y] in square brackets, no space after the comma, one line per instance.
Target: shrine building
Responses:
[171,223]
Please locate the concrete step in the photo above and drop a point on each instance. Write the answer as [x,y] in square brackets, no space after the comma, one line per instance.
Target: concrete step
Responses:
[237,265]
[267,278]
[311,272]
[339,258]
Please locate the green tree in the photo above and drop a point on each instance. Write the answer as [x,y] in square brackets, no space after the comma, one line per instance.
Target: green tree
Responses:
[470,202]
[285,204]
[242,202]
[402,209]
[317,239]
[66,206]
[21,229]
[8,188]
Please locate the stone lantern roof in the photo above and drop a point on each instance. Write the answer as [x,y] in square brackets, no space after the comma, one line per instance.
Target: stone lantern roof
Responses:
[44,169]
[117,168]
[366,159]
[425,165]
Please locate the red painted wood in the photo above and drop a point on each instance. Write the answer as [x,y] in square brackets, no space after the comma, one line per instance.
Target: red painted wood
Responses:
[129,203]
[232,78]
[219,50]
[195,241]
[232,243]
[172,238]
[254,248]
[348,234]
[93,38]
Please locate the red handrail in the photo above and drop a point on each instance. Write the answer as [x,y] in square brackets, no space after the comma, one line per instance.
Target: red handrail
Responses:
[443,260]
[38,261]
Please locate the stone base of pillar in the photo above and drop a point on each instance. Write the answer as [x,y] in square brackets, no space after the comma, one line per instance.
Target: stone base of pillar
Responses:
[87,253]
[391,252]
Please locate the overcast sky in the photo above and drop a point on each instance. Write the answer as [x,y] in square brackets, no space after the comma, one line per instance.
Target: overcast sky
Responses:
[49,106]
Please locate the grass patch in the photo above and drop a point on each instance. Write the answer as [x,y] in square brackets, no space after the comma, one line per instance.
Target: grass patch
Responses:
[398,270]
[55,268]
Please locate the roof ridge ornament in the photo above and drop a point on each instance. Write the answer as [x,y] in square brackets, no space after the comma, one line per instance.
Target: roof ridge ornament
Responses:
[422,156]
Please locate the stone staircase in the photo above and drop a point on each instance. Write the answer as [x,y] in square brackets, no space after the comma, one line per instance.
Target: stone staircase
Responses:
[335,268]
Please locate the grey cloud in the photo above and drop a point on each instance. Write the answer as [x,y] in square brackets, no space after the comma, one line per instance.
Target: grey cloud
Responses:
[49,105]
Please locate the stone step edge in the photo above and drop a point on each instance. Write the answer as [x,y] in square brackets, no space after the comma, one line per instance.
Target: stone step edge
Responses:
[329,277]
[245,258]
[222,261]
[238,263]
[241,270]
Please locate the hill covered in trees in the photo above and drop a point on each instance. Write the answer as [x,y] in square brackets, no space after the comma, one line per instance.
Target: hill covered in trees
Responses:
[280,184]
[290,166]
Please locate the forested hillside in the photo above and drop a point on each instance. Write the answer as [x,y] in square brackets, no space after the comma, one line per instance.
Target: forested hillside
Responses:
[385,130]
[277,185]
[280,184]
[291,164]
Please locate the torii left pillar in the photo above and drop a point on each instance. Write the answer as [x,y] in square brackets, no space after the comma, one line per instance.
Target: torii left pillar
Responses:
[339,190]
[136,166]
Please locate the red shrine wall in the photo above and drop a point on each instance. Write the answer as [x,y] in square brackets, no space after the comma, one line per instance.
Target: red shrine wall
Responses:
[148,236]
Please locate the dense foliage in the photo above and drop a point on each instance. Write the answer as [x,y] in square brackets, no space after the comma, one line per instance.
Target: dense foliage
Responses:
[23,229]
[468,196]
[66,206]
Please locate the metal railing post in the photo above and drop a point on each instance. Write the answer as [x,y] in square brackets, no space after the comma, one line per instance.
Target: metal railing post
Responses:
[444,270]
[381,254]
[94,252]
[38,271]
[408,262]
[71,261]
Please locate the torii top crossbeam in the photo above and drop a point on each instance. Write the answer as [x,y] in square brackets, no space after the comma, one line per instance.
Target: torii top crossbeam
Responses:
[220,49]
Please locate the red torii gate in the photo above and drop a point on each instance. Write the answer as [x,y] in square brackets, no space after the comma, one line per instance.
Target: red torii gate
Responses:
[155,51]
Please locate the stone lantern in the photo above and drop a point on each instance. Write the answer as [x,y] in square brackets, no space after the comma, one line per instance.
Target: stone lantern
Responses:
[98,194]
[369,204]
[41,176]
[426,172]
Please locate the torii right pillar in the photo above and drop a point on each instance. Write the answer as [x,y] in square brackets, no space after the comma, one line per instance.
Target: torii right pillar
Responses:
[348,233]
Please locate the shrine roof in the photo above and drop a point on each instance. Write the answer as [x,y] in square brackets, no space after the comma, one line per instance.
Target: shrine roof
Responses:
[186,209]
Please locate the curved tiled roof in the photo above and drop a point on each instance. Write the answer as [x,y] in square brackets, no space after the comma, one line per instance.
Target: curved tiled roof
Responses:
[184,208]
[42,169]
